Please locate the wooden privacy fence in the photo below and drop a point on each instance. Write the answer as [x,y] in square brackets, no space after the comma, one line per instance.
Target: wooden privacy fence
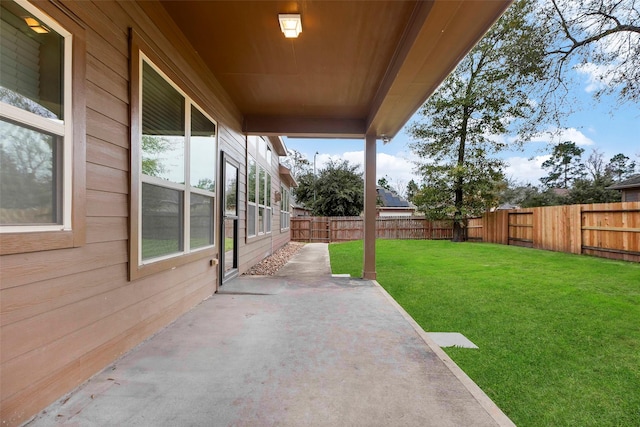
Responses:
[342,229]
[608,230]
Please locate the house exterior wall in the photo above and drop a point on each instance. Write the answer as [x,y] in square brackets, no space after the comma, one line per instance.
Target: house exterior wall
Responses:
[631,195]
[66,314]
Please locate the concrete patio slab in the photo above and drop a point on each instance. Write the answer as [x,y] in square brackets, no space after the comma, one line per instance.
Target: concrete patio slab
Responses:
[294,350]
[451,339]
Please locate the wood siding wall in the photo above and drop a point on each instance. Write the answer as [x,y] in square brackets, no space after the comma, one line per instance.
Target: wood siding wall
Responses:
[66,314]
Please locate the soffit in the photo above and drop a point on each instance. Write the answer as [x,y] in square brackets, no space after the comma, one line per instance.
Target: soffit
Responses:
[358,67]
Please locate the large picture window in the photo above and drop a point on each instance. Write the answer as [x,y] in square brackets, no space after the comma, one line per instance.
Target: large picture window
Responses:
[174,173]
[42,149]
[259,209]
[36,144]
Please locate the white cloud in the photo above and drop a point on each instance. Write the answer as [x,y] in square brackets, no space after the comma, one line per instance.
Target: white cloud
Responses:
[395,166]
[526,170]
[556,136]
[598,77]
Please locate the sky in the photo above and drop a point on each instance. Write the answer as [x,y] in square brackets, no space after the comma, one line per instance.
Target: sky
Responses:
[602,125]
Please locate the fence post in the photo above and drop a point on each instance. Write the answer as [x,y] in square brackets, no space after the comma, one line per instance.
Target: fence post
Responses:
[575,229]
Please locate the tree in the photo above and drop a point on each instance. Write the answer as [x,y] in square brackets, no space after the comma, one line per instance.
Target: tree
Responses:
[382,182]
[595,165]
[152,148]
[412,190]
[486,96]
[565,165]
[297,163]
[593,191]
[337,191]
[603,36]
[621,167]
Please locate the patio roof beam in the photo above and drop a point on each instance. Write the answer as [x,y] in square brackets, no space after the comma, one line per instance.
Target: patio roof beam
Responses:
[304,127]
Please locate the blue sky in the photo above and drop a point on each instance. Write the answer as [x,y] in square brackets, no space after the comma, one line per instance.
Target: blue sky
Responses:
[595,125]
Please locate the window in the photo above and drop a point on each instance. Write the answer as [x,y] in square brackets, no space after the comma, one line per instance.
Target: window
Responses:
[174,157]
[259,208]
[285,215]
[41,123]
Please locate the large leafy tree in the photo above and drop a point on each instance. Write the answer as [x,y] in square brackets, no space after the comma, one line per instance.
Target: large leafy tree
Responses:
[602,37]
[565,165]
[487,96]
[338,190]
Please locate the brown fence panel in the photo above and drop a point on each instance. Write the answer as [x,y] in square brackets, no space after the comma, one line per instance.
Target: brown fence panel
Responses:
[300,229]
[320,230]
[607,230]
[474,229]
[520,225]
[612,231]
[495,227]
[344,229]
[440,230]
[402,228]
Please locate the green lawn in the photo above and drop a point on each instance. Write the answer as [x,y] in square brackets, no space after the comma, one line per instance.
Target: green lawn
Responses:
[559,334]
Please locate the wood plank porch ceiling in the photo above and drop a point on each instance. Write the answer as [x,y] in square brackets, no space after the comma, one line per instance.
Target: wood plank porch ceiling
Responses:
[357,68]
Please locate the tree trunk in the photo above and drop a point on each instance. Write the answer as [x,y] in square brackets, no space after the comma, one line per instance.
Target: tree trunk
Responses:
[459,232]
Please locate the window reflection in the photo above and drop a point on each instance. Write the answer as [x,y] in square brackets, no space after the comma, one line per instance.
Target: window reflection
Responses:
[163,128]
[29,167]
[202,151]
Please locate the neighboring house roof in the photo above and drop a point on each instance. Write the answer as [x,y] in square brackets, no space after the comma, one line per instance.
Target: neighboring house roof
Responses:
[633,182]
[392,200]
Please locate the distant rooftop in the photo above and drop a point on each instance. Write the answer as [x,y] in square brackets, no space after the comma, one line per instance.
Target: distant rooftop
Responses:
[392,200]
[633,181]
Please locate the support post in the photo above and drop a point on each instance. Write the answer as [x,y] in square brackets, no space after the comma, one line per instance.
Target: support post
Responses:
[370,198]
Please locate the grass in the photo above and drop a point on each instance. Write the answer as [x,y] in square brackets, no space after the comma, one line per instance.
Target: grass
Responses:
[559,334]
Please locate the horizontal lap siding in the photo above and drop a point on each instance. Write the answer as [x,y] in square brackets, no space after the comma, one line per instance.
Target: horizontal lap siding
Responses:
[66,314]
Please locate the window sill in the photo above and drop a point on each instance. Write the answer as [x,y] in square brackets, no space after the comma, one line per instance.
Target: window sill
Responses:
[170,263]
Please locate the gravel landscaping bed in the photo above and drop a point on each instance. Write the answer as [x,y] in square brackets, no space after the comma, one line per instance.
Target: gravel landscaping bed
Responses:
[272,263]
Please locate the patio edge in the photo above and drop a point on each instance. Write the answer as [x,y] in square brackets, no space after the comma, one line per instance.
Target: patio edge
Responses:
[487,404]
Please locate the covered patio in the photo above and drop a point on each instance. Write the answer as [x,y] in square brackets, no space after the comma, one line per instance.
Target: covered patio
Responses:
[302,348]
[359,69]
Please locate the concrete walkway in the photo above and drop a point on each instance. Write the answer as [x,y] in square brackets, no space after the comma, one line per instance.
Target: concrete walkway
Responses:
[299,349]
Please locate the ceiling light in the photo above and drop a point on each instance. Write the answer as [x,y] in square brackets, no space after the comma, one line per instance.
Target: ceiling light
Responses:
[290,24]
[35,25]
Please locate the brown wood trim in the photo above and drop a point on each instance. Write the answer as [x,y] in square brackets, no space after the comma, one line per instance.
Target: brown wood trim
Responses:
[134,153]
[619,229]
[15,243]
[139,271]
[303,126]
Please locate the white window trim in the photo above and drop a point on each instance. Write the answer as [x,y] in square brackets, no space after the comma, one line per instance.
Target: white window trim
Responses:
[57,127]
[186,187]
[285,207]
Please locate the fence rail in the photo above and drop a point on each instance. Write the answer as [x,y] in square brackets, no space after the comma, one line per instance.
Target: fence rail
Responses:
[608,230]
